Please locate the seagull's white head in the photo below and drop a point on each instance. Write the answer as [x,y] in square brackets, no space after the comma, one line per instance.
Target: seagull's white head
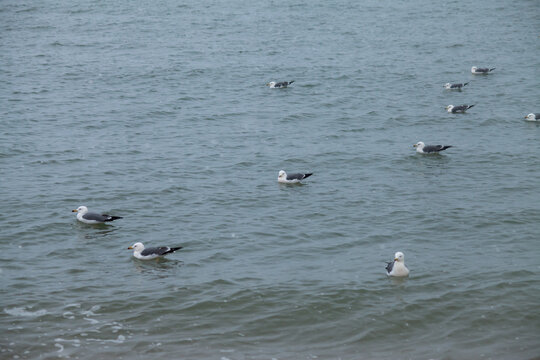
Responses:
[473,69]
[447,85]
[271,84]
[81,209]
[138,247]
[419,145]
[531,117]
[282,174]
[399,257]
[449,108]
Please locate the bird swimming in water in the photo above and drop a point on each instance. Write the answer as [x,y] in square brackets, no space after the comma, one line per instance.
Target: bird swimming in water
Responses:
[481,71]
[397,267]
[429,149]
[282,84]
[292,178]
[449,86]
[140,252]
[83,215]
[458,109]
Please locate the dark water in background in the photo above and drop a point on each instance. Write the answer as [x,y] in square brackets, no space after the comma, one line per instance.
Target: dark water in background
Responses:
[157,111]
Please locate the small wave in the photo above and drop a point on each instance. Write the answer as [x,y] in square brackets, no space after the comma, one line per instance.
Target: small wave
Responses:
[20,311]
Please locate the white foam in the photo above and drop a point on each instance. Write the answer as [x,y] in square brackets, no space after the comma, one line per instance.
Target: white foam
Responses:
[20,311]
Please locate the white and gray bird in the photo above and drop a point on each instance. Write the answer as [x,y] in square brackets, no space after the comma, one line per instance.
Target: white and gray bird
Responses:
[83,215]
[292,178]
[481,71]
[458,109]
[533,117]
[281,84]
[429,149]
[397,267]
[449,86]
[140,252]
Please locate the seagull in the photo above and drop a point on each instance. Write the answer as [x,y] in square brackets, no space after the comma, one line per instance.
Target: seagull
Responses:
[282,84]
[93,218]
[151,253]
[458,109]
[449,86]
[292,178]
[533,117]
[481,71]
[397,267]
[429,149]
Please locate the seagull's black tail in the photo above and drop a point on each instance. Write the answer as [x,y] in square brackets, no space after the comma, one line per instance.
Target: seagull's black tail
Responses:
[171,250]
[491,69]
[470,106]
[446,147]
[307,175]
[465,84]
[290,82]
[112,218]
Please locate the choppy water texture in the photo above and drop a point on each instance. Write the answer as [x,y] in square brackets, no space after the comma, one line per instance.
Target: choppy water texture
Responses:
[157,111]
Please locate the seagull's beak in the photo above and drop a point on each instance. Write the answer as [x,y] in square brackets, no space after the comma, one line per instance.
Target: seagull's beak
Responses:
[526,117]
[396,259]
[415,145]
[130,248]
[75,210]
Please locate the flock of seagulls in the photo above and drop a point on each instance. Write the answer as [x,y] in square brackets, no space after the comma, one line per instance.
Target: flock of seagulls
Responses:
[395,268]
[139,251]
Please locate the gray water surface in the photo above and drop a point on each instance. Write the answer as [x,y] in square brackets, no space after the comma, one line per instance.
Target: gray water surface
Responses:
[158,112]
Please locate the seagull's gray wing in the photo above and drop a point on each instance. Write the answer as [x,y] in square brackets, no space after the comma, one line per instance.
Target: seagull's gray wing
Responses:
[298,176]
[461,108]
[96,217]
[160,251]
[435,148]
[100,218]
[389,267]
